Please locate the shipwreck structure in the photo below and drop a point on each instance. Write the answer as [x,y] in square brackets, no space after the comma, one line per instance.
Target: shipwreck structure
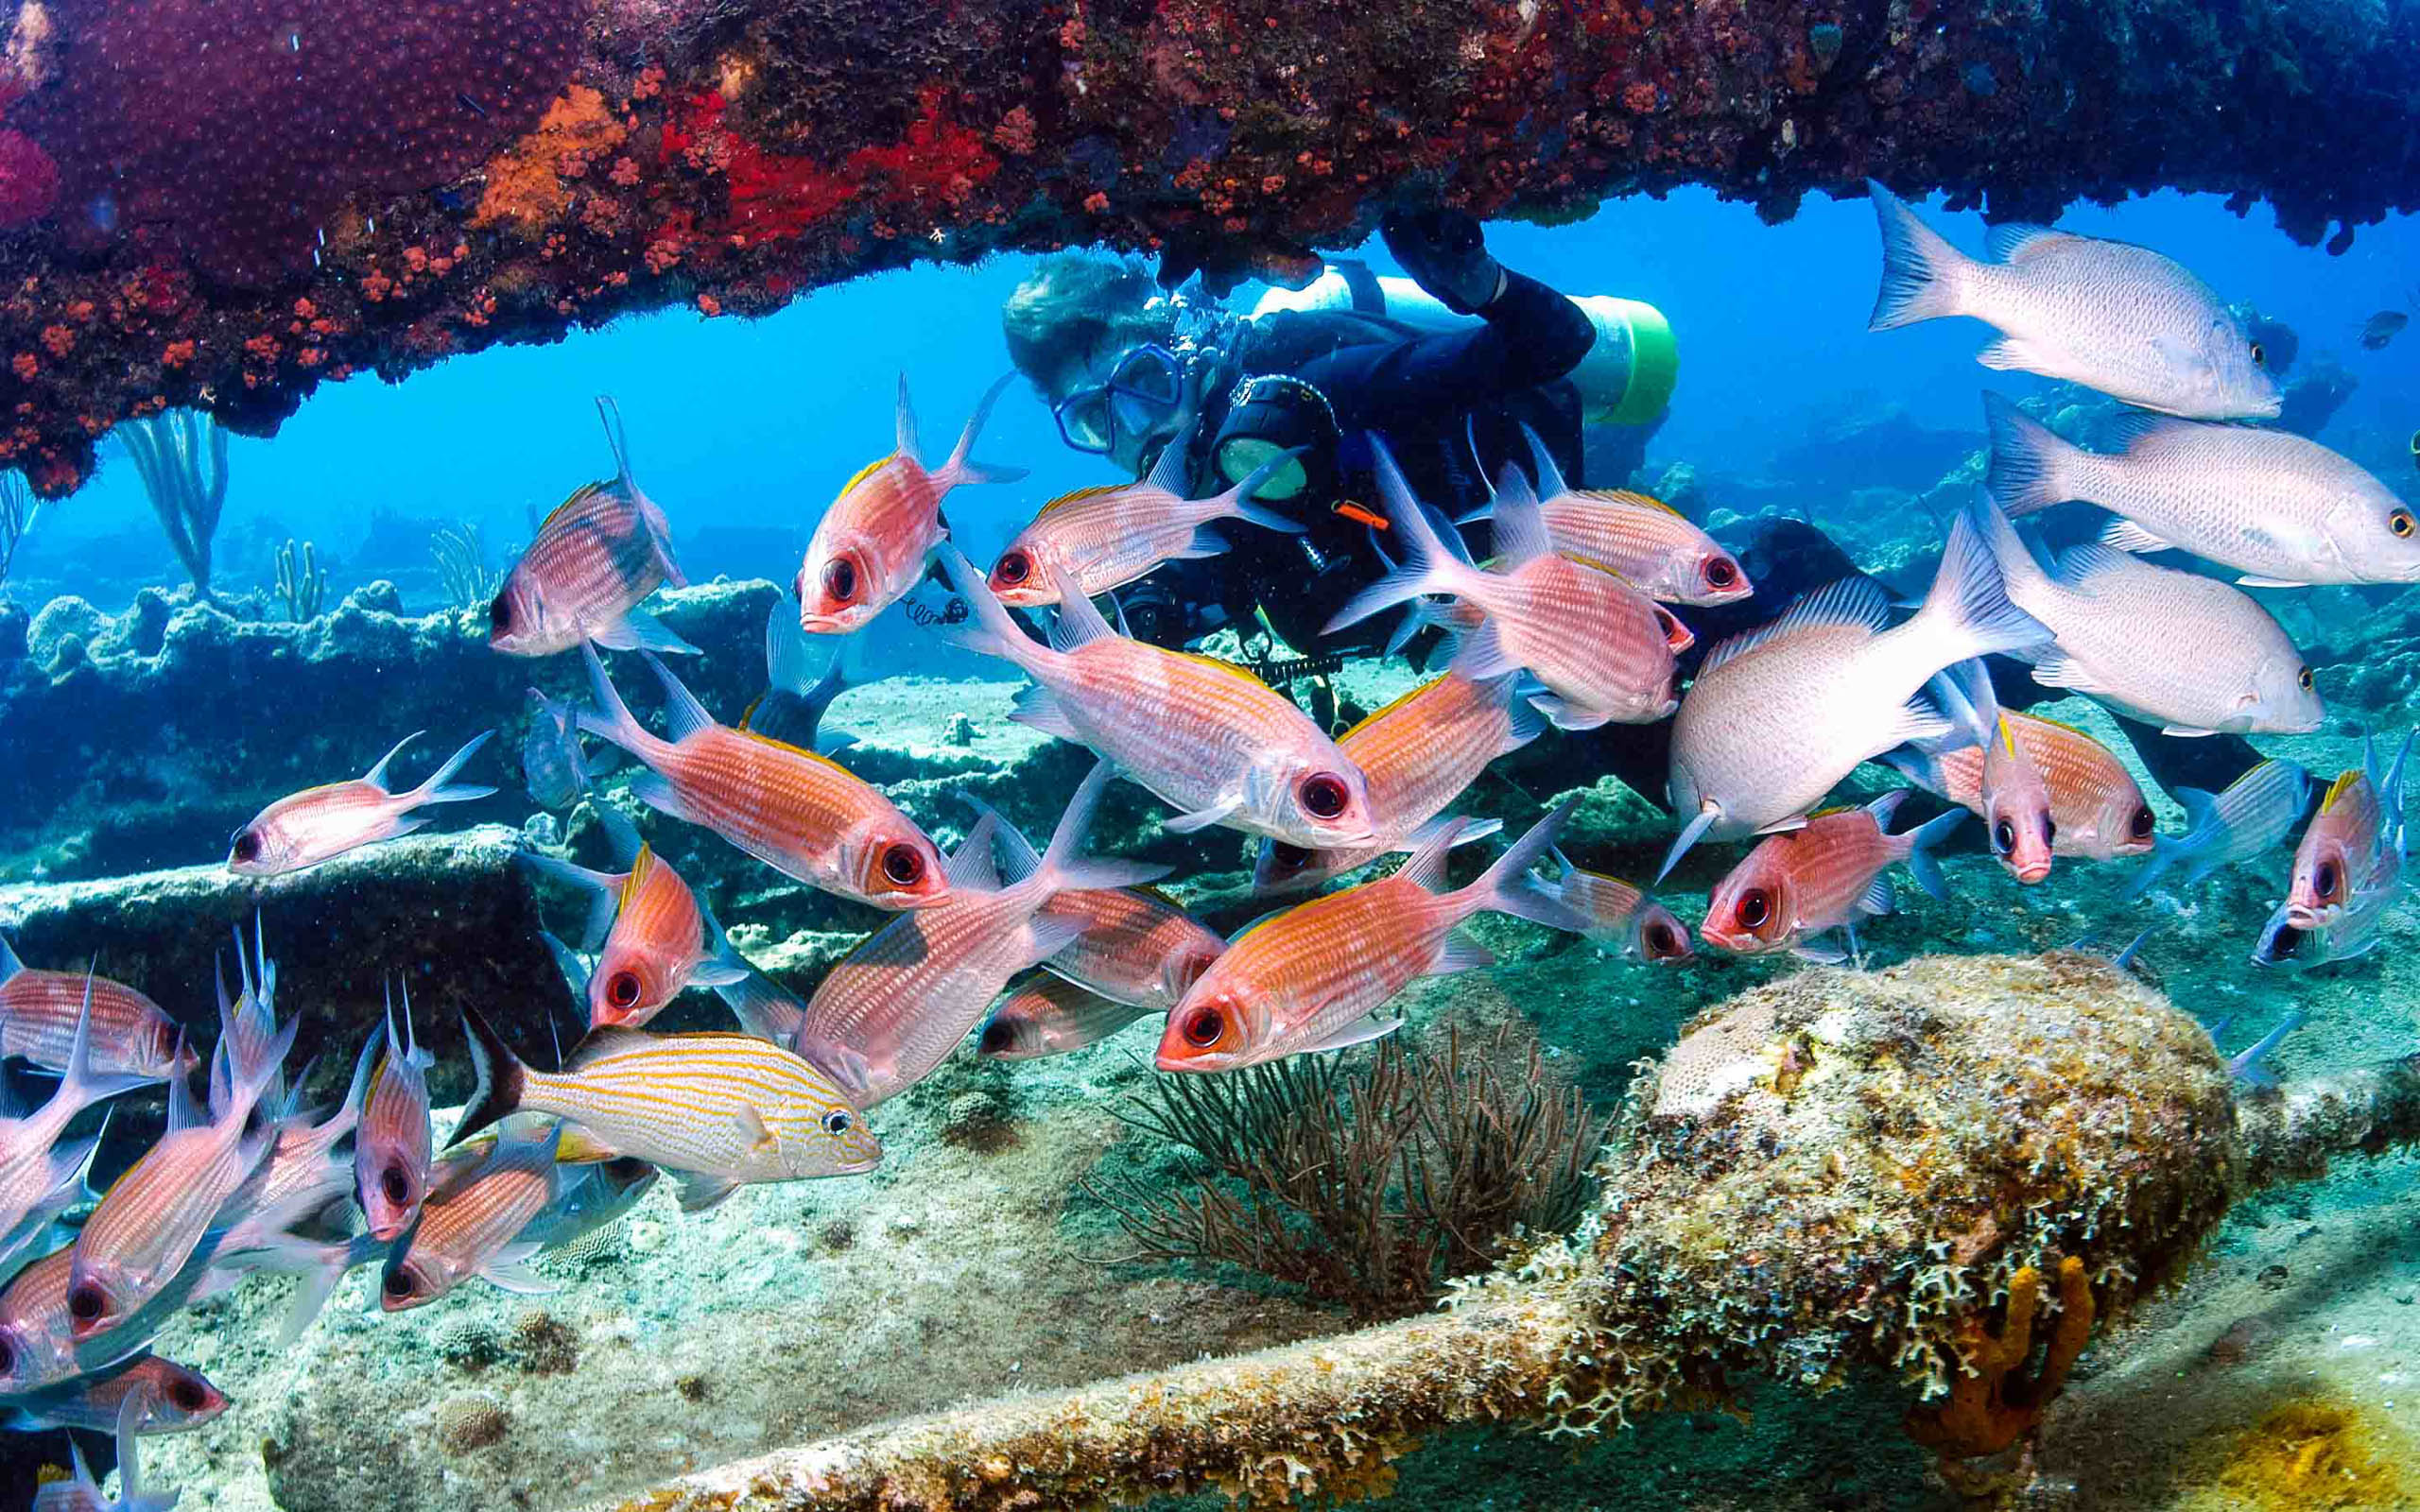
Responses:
[223,203]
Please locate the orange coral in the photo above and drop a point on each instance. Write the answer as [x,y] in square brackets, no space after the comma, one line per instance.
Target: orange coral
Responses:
[1993,1403]
[525,183]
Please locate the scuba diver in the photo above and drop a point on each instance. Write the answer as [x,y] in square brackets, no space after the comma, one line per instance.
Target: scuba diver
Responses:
[1127,370]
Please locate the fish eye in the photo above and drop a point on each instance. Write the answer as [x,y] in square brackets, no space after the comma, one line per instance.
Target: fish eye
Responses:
[1013,569]
[2049,829]
[86,1304]
[1721,572]
[2259,355]
[2302,679]
[1324,795]
[396,1188]
[2323,881]
[622,989]
[2003,838]
[999,1036]
[837,1123]
[500,612]
[1660,940]
[2400,523]
[247,846]
[398,1283]
[186,1395]
[840,579]
[1755,907]
[2140,825]
[902,863]
[1202,1028]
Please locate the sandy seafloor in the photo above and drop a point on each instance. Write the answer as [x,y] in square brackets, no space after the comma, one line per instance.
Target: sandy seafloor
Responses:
[969,1265]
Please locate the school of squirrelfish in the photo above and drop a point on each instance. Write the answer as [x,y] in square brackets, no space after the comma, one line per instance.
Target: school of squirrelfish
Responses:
[1573,619]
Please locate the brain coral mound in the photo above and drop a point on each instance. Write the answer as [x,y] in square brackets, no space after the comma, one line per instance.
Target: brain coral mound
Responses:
[1899,1171]
[236,130]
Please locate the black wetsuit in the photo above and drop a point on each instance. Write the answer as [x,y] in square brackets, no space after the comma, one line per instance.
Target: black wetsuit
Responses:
[1426,394]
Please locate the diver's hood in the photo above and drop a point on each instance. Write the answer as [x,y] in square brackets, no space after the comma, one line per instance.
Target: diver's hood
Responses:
[1269,413]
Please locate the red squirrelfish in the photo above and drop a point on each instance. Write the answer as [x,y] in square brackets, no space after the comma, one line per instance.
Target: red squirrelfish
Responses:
[1824,875]
[1778,715]
[132,1035]
[657,938]
[304,1159]
[1209,739]
[38,1175]
[2015,791]
[799,812]
[1418,754]
[602,551]
[896,1005]
[715,1110]
[1051,1016]
[147,1225]
[873,543]
[1310,978]
[1137,946]
[1104,538]
[319,823]
[1603,650]
[168,1398]
[392,1147]
[1623,917]
[2097,808]
[83,1494]
[470,1225]
[1650,545]
[2338,846]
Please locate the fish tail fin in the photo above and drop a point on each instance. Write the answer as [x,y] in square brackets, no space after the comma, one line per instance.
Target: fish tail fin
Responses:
[10,965]
[1920,860]
[603,891]
[497,1074]
[2166,854]
[2020,568]
[1508,887]
[2032,466]
[991,631]
[1968,612]
[612,719]
[1064,868]
[250,1063]
[1690,834]
[1973,709]
[441,787]
[1918,765]
[1924,278]
[1238,502]
[962,466]
[1430,564]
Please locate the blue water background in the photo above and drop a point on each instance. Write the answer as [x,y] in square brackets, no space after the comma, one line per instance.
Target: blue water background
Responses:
[753,424]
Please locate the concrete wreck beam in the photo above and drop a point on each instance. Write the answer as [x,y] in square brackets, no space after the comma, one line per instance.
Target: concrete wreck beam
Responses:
[395,182]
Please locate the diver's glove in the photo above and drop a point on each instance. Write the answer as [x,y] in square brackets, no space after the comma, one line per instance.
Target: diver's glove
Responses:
[1446,254]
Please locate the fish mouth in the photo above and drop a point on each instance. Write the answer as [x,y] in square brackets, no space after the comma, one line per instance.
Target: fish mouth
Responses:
[2029,875]
[2305,918]
[841,624]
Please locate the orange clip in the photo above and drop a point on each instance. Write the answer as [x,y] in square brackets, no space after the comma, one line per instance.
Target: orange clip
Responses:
[1353,511]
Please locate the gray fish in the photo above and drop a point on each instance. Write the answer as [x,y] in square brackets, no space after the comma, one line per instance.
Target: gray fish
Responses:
[2108,315]
[2188,653]
[2282,510]
[551,763]
[592,1196]
[2256,812]
[798,688]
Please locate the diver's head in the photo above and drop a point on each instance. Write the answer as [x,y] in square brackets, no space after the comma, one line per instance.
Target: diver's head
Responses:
[1122,365]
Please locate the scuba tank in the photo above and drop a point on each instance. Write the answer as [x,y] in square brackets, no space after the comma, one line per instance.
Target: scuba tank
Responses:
[1626,379]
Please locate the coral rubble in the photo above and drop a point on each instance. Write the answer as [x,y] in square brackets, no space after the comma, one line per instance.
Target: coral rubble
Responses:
[213,203]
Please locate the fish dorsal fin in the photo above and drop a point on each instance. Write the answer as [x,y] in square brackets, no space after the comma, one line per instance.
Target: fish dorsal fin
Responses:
[683,715]
[640,866]
[1551,479]
[2020,242]
[2338,789]
[903,427]
[866,471]
[610,414]
[1080,494]
[2056,724]
[2007,735]
[1078,623]
[1851,601]
[563,511]
[1278,911]
[615,1039]
[1169,473]
[1827,812]
[1228,668]
[1390,706]
[784,746]
[1632,498]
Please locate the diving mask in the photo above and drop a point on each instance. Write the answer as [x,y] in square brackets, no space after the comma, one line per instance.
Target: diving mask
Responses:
[1144,392]
[1269,414]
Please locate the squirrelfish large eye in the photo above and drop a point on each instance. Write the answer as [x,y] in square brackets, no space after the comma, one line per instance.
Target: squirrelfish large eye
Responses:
[395,1186]
[500,614]
[2049,829]
[1287,858]
[86,1303]
[398,1283]
[1720,572]
[8,1355]
[1324,795]
[247,846]
[838,1122]
[1661,941]
[2401,524]
[840,580]
[902,863]
[1202,1028]
[185,1395]
[2003,838]
[622,989]
[1756,906]
[999,1036]
[2323,881]
[2141,825]
[1013,568]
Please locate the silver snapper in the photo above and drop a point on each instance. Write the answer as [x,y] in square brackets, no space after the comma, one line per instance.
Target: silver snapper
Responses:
[2282,510]
[2108,315]
[2189,654]
[1779,714]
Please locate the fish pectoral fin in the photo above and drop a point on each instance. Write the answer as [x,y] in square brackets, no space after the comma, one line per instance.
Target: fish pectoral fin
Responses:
[850,1071]
[638,630]
[699,1192]
[717,973]
[1796,821]
[509,1270]
[1360,1031]
[1201,818]
[2066,672]
[2250,581]
[752,1130]
[1877,898]
[2009,354]
[2188,732]
[1564,715]
[1038,708]
[1462,953]
[1820,954]
[2127,536]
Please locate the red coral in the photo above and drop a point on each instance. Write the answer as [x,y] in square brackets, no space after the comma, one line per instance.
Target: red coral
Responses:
[28,179]
[938,158]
